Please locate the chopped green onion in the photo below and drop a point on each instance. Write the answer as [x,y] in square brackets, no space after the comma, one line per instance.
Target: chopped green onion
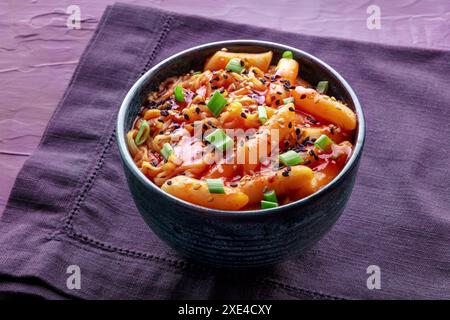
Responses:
[268,204]
[262,114]
[179,94]
[215,185]
[166,150]
[270,196]
[288,55]
[323,142]
[290,158]
[143,133]
[220,140]
[322,87]
[235,65]
[216,103]
[196,72]
[288,100]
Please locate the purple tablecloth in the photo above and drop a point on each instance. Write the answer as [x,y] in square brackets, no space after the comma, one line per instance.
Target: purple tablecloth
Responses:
[70,204]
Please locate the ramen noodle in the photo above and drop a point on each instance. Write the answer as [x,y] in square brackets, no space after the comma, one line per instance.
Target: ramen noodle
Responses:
[242,134]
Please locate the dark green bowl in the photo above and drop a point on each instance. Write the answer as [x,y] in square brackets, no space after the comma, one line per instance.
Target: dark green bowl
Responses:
[238,239]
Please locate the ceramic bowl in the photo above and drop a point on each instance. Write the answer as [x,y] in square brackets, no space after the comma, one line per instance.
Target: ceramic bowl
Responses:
[238,239]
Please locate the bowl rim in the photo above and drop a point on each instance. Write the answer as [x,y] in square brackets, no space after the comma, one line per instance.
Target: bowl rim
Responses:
[128,161]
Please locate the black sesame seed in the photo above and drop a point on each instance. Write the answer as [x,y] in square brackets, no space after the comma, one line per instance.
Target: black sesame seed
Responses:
[303,96]
[277,102]
[298,131]
[290,125]
[243,115]
[197,110]
[285,173]
[291,109]
[311,152]
[312,120]
[169,183]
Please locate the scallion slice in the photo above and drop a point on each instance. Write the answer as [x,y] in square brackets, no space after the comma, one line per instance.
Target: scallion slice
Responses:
[268,204]
[143,133]
[290,158]
[270,196]
[215,185]
[235,65]
[288,100]
[323,142]
[216,103]
[196,73]
[220,140]
[166,150]
[288,55]
[322,87]
[262,114]
[179,94]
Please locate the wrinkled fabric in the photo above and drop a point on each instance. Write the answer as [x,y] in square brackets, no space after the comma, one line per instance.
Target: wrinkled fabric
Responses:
[70,204]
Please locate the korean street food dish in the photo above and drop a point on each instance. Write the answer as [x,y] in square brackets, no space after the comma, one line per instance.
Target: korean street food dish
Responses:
[242,134]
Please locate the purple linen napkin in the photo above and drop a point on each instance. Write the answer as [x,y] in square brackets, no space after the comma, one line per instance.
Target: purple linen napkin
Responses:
[70,204]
